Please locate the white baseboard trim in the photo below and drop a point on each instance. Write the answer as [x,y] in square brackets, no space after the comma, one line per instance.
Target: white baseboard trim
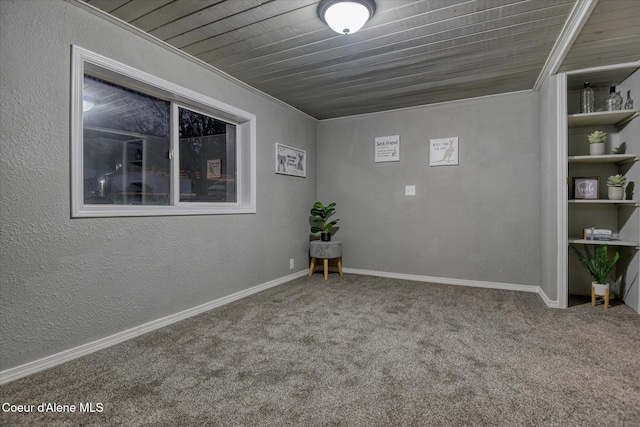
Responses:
[446,281]
[30,368]
[21,371]
[550,303]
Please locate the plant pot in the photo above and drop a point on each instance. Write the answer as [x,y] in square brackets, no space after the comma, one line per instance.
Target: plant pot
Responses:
[616,193]
[600,288]
[597,149]
[325,237]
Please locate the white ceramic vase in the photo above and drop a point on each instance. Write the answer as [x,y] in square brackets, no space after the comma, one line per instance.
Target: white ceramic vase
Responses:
[600,288]
[616,193]
[597,149]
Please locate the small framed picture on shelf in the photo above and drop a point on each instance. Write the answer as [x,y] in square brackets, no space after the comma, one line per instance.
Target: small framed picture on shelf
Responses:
[586,187]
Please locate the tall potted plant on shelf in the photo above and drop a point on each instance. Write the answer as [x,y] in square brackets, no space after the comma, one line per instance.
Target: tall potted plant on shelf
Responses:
[597,142]
[320,217]
[615,184]
[599,265]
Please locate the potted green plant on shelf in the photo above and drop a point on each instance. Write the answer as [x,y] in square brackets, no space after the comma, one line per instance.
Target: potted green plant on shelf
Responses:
[616,186]
[597,262]
[597,142]
[320,217]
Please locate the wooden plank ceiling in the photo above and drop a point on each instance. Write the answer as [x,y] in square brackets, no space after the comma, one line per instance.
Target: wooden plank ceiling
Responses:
[412,52]
[610,36]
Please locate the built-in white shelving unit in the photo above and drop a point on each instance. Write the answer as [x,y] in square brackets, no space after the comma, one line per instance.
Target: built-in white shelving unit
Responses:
[622,156]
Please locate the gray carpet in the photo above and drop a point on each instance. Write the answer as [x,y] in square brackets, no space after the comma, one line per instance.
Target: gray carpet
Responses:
[359,351]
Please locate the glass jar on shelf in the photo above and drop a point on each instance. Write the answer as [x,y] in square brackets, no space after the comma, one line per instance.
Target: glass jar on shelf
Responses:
[613,101]
[628,105]
[587,99]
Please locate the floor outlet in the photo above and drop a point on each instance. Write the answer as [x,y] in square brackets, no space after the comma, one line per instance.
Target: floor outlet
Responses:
[291,264]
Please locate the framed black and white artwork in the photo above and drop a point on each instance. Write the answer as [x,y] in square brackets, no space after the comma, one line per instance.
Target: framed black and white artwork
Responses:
[443,151]
[291,161]
[387,148]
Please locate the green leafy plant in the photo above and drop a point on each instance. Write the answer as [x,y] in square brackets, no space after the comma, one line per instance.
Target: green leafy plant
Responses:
[597,261]
[320,216]
[597,137]
[616,180]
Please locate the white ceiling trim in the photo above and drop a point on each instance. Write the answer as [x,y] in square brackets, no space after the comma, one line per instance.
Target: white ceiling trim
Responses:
[415,107]
[577,18]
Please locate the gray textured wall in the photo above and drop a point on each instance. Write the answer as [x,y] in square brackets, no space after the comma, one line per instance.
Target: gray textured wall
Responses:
[476,221]
[549,188]
[66,282]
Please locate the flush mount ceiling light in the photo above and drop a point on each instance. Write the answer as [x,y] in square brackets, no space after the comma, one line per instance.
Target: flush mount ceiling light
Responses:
[346,16]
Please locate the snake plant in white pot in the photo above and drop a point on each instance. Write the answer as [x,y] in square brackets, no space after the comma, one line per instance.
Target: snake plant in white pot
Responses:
[615,184]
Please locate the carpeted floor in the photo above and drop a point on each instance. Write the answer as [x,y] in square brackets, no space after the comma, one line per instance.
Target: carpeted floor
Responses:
[359,351]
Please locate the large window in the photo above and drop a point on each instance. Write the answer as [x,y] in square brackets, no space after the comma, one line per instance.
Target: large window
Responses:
[145,146]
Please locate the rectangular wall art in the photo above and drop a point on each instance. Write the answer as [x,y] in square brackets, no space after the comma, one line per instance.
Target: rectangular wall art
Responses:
[443,151]
[213,168]
[388,148]
[291,161]
[586,187]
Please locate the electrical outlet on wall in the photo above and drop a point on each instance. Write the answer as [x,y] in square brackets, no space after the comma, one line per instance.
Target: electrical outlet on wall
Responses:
[291,264]
[410,190]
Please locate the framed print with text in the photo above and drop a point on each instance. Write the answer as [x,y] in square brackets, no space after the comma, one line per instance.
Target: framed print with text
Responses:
[291,161]
[387,148]
[443,151]
[586,187]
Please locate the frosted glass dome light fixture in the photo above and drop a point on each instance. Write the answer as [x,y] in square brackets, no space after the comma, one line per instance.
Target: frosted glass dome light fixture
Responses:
[346,16]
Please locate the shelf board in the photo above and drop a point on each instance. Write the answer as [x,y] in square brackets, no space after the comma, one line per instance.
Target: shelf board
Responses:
[600,118]
[604,202]
[612,242]
[605,158]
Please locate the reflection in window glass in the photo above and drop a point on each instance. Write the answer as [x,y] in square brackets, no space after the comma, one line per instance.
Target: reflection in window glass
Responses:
[207,158]
[125,147]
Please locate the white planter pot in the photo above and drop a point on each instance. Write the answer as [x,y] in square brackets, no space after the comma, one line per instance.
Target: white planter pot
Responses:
[616,193]
[597,149]
[600,288]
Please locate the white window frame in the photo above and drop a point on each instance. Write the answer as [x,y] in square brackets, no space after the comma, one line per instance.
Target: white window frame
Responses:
[102,67]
